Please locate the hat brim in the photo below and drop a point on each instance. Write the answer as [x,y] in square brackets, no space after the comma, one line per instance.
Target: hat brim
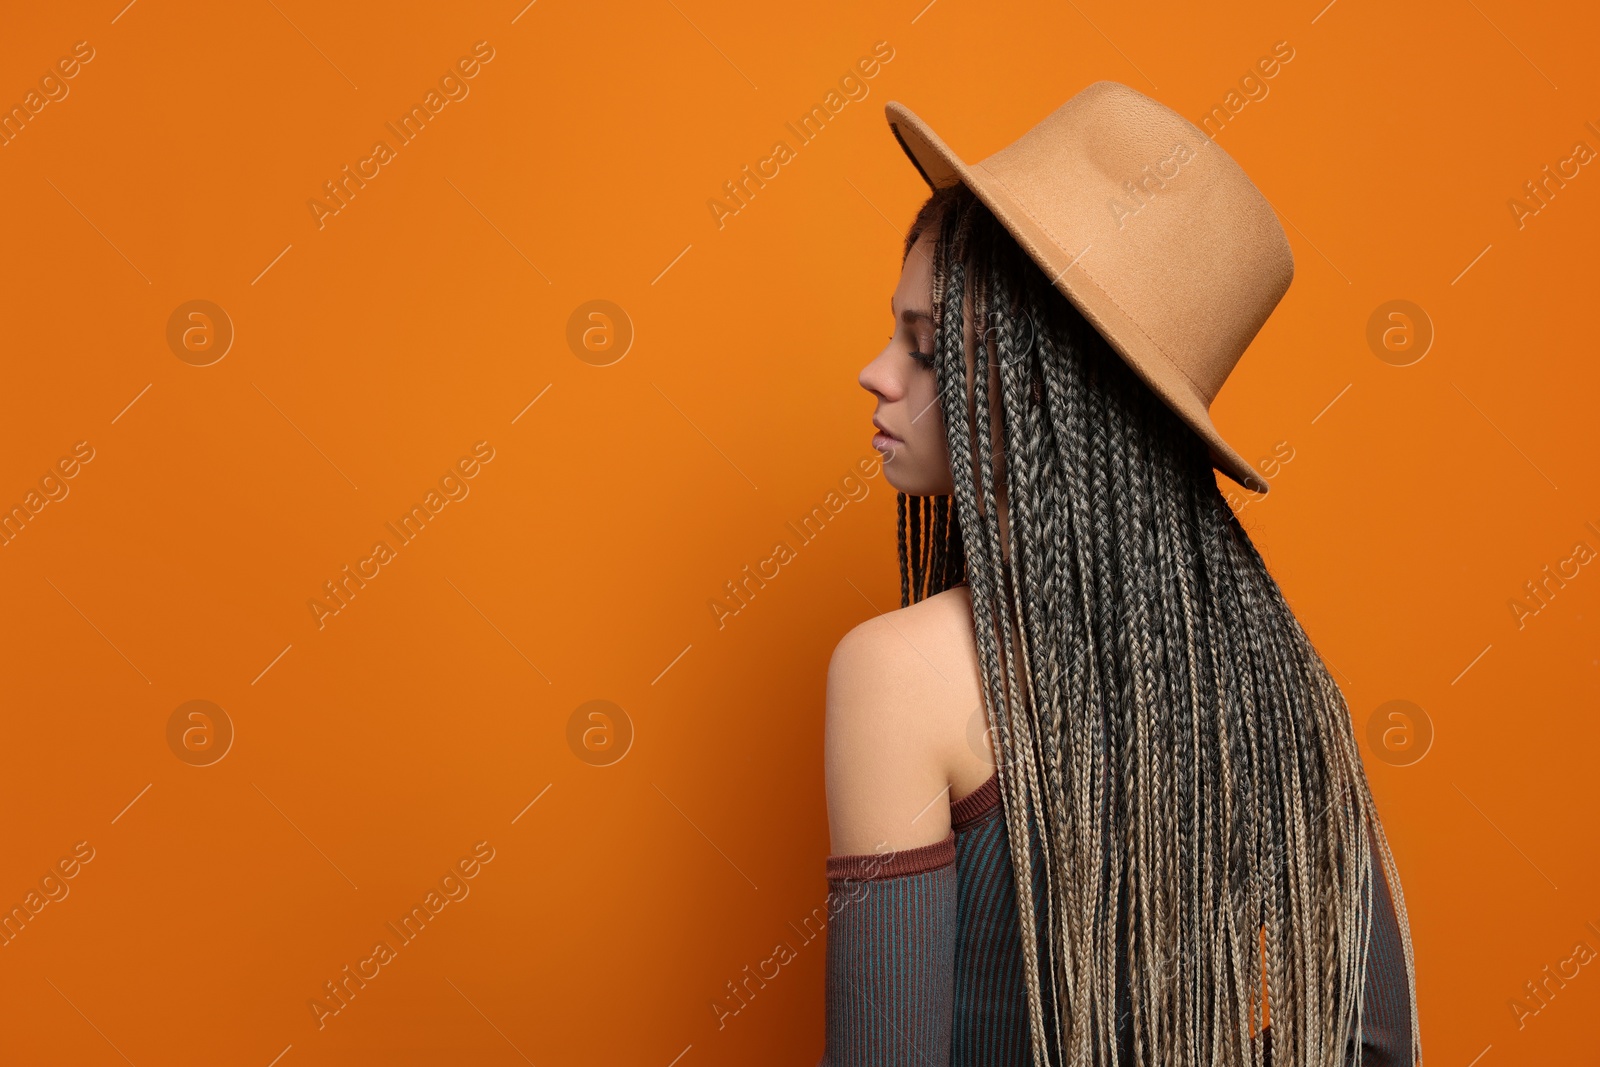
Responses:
[941,167]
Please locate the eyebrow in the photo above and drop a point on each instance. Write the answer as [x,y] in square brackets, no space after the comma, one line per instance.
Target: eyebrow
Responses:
[911,315]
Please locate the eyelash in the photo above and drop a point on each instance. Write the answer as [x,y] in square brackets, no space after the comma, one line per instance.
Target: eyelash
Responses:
[924,358]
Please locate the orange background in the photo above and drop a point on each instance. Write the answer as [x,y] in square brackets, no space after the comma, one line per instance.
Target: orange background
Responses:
[371,354]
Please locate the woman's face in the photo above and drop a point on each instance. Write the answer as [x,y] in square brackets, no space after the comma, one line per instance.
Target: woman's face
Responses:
[916,456]
[916,460]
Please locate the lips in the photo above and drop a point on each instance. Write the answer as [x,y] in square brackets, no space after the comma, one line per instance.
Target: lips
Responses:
[885,431]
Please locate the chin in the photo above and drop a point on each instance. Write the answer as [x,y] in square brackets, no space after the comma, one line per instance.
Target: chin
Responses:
[910,482]
[896,468]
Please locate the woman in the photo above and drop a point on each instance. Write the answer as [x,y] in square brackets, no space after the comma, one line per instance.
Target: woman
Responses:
[1093,796]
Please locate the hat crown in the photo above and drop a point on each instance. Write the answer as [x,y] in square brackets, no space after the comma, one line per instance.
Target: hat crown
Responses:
[1160,218]
[1147,225]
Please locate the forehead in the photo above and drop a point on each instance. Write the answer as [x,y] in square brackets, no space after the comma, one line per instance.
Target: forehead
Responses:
[916,276]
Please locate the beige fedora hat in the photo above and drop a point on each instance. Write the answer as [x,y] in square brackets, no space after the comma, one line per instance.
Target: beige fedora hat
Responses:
[1147,226]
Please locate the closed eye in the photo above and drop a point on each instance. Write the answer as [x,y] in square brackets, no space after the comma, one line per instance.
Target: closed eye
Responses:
[924,358]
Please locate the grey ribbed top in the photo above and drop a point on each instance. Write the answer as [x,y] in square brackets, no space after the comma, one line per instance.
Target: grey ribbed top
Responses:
[925,961]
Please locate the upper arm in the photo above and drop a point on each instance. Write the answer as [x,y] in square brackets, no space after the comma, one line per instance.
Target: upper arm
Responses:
[887,789]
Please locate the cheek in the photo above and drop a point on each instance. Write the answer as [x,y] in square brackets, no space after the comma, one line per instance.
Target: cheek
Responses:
[930,426]
[929,451]
[922,400]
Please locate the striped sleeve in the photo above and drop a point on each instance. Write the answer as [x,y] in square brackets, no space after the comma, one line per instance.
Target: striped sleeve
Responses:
[1386,1011]
[890,981]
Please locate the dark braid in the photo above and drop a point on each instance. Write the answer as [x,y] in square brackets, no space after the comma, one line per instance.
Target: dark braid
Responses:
[918,549]
[1157,710]
[905,574]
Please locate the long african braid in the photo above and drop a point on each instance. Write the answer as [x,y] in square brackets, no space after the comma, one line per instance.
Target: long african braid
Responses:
[1160,717]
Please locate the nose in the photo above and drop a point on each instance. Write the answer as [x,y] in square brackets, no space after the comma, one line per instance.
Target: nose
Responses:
[879,378]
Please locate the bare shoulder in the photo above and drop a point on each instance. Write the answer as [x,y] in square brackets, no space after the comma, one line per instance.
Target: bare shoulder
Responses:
[908,646]
[902,687]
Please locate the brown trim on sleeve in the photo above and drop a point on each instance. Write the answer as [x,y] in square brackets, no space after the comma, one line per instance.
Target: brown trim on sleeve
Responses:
[868,866]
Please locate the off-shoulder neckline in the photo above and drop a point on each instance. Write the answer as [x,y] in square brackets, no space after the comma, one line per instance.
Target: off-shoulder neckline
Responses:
[976,804]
